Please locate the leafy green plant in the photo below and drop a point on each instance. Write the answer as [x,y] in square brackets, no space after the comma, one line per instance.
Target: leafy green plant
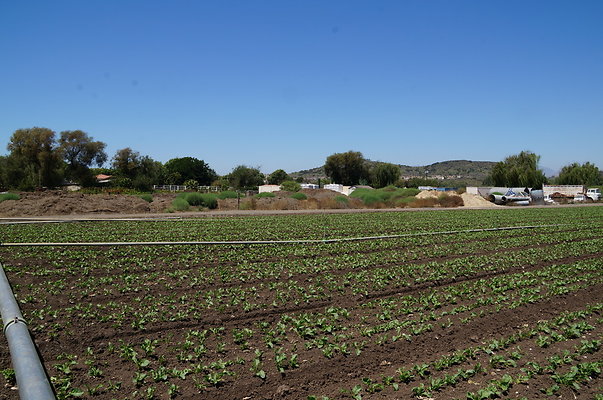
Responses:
[342,199]
[9,376]
[227,194]
[299,196]
[180,204]
[9,196]
[147,197]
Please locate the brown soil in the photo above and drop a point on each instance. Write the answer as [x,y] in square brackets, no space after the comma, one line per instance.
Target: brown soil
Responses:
[66,203]
[316,374]
[76,205]
[50,203]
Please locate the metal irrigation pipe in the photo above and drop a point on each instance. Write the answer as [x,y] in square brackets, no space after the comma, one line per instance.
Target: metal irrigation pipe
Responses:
[31,377]
[247,242]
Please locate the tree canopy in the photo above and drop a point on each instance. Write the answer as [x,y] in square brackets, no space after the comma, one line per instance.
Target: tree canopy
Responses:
[80,151]
[245,178]
[38,159]
[576,174]
[125,162]
[277,177]
[346,168]
[134,170]
[190,168]
[34,160]
[384,174]
[520,170]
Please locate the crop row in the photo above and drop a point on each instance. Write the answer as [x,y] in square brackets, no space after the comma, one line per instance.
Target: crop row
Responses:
[322,226]
[357,278]
[414,316]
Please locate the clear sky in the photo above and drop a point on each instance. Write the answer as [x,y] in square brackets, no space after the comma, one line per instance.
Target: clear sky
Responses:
[285,83]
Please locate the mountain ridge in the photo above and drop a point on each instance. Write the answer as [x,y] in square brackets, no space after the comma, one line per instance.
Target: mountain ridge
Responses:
[459,172]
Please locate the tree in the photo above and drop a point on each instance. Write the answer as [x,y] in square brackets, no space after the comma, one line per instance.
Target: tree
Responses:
[80,151]
[186,168]
[385,174]
[346,168]
[4,178]
[519,170]
[126,162]
[277,177]
[134,170]
[416,182]
[148,173]
[575,174]
[290,186]
[34,159]
[244,177]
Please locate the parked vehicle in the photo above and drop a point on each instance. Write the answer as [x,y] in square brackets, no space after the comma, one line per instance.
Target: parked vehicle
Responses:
[594,194]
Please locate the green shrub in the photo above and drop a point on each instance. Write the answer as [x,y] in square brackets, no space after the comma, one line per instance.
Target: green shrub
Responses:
[142,183]
[201,199]
[227,194]
[390,196]
[299,196]
[290,186]
[146,197]
[180,204]
[9,196]
[406,192]
[342,199]
[209,200]
[370,196]
[122,182]
[265,194]
[193,198]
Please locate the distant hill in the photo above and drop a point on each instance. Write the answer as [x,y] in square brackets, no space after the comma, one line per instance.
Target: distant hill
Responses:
[449,173]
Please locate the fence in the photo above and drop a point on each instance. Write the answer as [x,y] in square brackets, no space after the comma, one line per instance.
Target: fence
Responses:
[182,188]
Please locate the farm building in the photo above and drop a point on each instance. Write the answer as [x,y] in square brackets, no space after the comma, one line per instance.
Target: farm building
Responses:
[309,186]
[269,188]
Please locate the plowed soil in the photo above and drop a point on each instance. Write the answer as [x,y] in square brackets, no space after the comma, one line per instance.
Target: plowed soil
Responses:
[91,338]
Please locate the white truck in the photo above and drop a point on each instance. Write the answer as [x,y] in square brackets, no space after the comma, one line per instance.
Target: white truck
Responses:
[565,193]
[594,194]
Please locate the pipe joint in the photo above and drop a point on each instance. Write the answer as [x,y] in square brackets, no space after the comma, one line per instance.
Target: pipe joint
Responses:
[10,322]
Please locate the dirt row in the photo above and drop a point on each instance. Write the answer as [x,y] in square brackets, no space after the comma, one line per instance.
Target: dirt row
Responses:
[319,375]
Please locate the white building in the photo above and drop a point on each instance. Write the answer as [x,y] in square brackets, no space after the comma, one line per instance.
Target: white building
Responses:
[309,186]
[334,187]
[269,188]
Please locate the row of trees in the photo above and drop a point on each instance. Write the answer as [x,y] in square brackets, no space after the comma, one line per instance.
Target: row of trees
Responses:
[520,170]
[41,158]
[351,168]
[38,158]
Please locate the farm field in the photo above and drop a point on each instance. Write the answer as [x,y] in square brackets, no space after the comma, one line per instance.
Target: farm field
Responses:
[462,313]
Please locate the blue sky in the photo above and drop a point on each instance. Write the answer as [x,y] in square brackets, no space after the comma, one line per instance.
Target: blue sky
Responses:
[284,84]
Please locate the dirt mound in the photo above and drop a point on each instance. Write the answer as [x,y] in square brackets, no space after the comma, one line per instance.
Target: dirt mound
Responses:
[428,194]
[65,203]
[474,200]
